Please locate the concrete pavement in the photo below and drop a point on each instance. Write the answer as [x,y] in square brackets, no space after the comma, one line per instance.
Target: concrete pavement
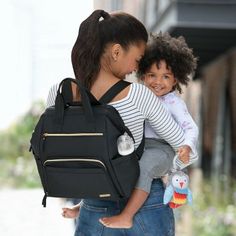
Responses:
[21,212]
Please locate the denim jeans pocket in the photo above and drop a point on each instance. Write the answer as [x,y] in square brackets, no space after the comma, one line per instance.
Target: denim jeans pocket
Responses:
[94,208]
[88,222]
[156,220]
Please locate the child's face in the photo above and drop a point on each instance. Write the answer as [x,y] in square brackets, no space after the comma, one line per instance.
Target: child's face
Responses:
[160,80]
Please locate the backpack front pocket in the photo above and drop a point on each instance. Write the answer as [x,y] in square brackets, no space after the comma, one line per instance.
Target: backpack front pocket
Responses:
[78,178]
[65,144]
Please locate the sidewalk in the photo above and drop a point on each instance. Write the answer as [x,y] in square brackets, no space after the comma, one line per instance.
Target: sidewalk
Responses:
[21,212]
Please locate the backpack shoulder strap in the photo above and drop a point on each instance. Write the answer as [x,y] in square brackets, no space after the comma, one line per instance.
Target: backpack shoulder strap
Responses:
[140,148]
[109,95]
[113,91]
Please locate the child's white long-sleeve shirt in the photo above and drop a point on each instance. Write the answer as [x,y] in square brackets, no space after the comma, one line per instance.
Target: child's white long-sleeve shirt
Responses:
[178,110]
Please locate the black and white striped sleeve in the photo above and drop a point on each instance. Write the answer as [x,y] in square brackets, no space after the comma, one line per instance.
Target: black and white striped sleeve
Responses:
[52,95]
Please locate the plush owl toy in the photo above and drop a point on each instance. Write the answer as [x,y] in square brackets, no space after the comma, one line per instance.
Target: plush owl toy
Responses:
[177,192]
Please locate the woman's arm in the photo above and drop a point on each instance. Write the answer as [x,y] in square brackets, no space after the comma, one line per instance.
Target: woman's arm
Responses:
[52,95]
[151,109]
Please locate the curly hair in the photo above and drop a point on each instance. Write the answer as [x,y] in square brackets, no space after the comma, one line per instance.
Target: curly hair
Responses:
[176,53]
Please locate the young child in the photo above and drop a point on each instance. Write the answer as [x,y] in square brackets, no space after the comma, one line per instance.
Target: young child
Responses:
[167,63]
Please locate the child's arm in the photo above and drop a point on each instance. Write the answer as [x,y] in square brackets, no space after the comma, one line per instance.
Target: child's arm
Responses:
[179,111]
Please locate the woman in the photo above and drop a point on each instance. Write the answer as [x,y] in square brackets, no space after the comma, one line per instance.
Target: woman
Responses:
[108,47]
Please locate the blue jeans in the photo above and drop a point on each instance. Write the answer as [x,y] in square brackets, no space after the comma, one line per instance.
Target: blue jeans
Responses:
[153,219]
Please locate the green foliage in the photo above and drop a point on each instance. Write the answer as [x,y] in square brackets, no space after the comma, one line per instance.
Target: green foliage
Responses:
[214,210]
[17,167]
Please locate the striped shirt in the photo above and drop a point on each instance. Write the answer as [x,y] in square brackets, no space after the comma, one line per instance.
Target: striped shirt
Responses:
[141,104]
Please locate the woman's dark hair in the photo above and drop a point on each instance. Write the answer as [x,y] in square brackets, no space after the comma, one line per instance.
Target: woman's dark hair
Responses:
[99,29]
[176,53]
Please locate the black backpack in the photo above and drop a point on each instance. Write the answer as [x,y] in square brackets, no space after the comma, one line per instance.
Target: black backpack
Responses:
[75,147]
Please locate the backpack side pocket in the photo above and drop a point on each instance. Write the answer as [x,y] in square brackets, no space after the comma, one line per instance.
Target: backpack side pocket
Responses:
[127,170]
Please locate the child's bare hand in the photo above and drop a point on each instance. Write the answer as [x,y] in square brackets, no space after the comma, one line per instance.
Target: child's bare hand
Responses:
[184,153]
[71,213]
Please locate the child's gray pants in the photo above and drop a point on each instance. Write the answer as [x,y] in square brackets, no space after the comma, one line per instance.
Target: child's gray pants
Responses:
[155,162]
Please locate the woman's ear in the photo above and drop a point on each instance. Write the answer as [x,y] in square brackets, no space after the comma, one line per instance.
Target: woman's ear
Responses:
[115,51]
[141,79]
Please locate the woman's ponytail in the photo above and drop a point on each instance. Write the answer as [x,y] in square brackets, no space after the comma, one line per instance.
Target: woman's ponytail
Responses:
[97,31]
[88,48]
